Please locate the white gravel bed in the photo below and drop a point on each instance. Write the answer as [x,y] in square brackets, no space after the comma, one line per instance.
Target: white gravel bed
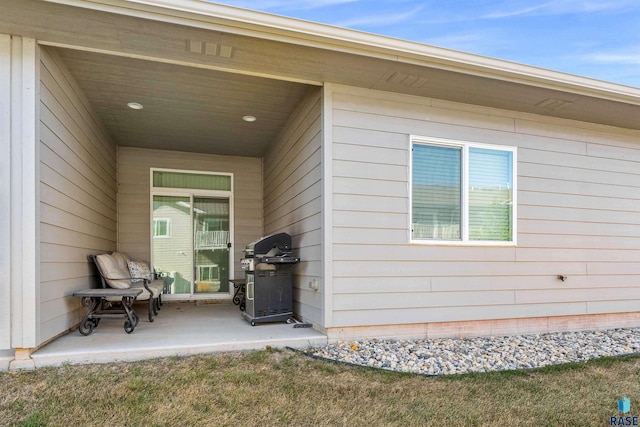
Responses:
[462,355]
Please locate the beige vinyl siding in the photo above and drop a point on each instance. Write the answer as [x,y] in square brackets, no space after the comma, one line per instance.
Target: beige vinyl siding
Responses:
[134,165]
[292,199]
[578,203]
[77,195]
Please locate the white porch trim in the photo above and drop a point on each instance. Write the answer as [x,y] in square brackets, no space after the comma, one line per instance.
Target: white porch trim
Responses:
[327,204]
[5,188]
[24,198]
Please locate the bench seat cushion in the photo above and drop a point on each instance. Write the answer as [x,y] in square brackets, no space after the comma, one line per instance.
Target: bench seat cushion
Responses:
[139,270]
[121,259]
[116,270]
[156,286]
[115,276]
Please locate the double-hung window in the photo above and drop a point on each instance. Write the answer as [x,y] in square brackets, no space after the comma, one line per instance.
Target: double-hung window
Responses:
[462,192]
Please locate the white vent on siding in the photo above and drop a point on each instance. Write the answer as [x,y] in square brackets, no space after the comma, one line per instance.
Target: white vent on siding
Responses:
[210,49]
[407,80]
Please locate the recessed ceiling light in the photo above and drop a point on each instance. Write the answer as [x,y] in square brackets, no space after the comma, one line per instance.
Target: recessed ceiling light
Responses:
[249,118]
[135,105]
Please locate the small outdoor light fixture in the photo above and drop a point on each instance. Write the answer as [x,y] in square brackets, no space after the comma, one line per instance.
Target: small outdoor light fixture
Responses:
[249,118]
[135,105]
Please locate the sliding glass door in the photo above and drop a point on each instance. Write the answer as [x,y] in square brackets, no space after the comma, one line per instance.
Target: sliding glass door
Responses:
[192,221]
[190,244]
[211,244]
[171,247]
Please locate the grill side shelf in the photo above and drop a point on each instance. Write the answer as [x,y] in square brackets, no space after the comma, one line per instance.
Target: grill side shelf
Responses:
[280,260]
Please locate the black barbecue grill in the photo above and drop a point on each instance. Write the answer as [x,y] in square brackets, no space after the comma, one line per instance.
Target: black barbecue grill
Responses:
[267,264]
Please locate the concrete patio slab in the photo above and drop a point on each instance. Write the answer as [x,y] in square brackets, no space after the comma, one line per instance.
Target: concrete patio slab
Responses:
[180,329]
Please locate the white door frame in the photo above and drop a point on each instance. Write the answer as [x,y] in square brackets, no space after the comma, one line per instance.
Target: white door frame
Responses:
[191,193]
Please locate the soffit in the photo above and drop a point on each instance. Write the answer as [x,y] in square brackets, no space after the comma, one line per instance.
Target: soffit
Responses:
[185,108]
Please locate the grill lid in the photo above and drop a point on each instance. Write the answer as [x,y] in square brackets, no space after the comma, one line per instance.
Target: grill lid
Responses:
[273,249]
[280,241]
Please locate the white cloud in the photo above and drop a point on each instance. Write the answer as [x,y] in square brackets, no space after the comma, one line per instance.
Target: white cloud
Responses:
[612,58]
[561,7]
[517,12]
[477,42]
[283,5]
[380,19]
[608,5]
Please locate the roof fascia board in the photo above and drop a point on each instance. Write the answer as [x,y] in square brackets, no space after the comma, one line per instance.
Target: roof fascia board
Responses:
[202,14]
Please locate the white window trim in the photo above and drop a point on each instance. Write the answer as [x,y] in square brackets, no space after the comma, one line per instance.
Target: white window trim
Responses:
[465,146]
[163,236]
[211,268]
[172,191]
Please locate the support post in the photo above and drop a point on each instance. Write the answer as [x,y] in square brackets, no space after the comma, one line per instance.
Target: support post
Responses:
[327,205]
[24,200]
[5,189]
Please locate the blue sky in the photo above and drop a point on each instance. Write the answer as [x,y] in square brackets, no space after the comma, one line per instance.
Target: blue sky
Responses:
[598,38]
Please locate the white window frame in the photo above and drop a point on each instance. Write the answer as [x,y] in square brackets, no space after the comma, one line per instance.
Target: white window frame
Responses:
[211,268]
[162,236]
[464,146]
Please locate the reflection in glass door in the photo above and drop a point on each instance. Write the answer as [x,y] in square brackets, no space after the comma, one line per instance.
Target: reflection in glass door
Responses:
[172,253]
[191,244]
[211,244]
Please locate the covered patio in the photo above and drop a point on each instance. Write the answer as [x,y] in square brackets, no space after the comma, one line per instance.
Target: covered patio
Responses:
[109,121]
[180,329]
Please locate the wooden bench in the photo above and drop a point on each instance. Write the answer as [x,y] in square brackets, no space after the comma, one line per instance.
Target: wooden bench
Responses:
[100,304]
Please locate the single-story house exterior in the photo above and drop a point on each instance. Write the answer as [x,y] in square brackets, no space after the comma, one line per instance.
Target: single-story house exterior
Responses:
[428,192]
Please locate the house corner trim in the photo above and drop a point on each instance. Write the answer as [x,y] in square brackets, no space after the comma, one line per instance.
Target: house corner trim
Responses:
[24,193]
[327,204]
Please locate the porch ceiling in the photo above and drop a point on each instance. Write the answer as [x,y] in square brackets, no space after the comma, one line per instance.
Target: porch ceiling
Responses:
[185,108]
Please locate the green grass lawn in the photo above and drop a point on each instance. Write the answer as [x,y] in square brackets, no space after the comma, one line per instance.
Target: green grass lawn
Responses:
[285,388]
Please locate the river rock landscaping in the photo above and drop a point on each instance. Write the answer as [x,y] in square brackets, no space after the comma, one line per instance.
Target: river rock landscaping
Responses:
[444,356]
